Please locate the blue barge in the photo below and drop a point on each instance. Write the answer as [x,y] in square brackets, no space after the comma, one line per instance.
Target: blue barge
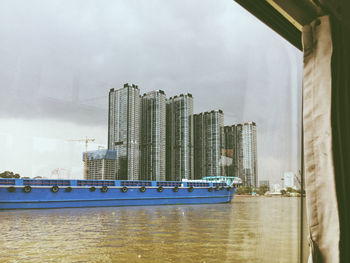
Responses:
[56,193]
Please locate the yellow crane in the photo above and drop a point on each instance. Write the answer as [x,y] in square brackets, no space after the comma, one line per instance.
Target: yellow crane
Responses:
[86,140]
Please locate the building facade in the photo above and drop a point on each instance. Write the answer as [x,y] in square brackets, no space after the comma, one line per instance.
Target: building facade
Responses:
[249,173]
[101,165]
[233,150]
[124,130]
[240,152]
[152,141]
[179,137]
[208,143]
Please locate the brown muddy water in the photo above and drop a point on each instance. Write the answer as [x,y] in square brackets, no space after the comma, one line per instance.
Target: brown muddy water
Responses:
[249,229]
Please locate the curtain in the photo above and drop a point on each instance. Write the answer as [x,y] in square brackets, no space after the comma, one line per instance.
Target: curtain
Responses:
[326,119]
[321,198]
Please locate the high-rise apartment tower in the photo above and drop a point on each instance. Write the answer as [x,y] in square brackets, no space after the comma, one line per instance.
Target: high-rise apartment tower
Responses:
[152,142]
[241,152]
[124,131]
[233,152]
[250,162]
[208,143]
[179,137]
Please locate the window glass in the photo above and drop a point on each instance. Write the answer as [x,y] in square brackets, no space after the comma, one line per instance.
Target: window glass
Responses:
[211,91]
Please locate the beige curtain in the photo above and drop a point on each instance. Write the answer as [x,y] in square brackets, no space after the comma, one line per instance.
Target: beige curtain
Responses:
[321,199]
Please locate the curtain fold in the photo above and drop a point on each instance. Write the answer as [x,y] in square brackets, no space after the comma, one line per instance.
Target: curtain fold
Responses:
[321,196]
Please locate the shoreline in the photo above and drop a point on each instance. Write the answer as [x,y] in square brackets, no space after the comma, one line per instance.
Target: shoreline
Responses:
[264,196]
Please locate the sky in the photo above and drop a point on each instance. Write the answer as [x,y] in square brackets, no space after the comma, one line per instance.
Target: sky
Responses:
[60,58]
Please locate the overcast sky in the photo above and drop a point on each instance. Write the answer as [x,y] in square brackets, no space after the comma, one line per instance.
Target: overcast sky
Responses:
[58,60]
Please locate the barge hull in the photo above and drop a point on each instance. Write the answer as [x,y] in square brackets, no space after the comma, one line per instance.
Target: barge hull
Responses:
[43,197]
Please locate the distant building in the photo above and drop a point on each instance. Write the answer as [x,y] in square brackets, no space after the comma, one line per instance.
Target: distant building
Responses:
[179,137]
[59,173]
[233,150]
[124,130]
[240,145]
[208,143]
[276,188]
[288,179]
[250,162]
[152,142]
[101,164]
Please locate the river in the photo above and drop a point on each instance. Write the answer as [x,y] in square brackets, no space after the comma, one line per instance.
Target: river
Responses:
[249,229]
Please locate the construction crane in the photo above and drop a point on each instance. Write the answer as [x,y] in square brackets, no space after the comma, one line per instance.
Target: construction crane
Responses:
[86,140]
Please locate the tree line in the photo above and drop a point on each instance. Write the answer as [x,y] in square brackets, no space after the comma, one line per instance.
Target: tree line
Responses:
[8,174]
[248,190]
